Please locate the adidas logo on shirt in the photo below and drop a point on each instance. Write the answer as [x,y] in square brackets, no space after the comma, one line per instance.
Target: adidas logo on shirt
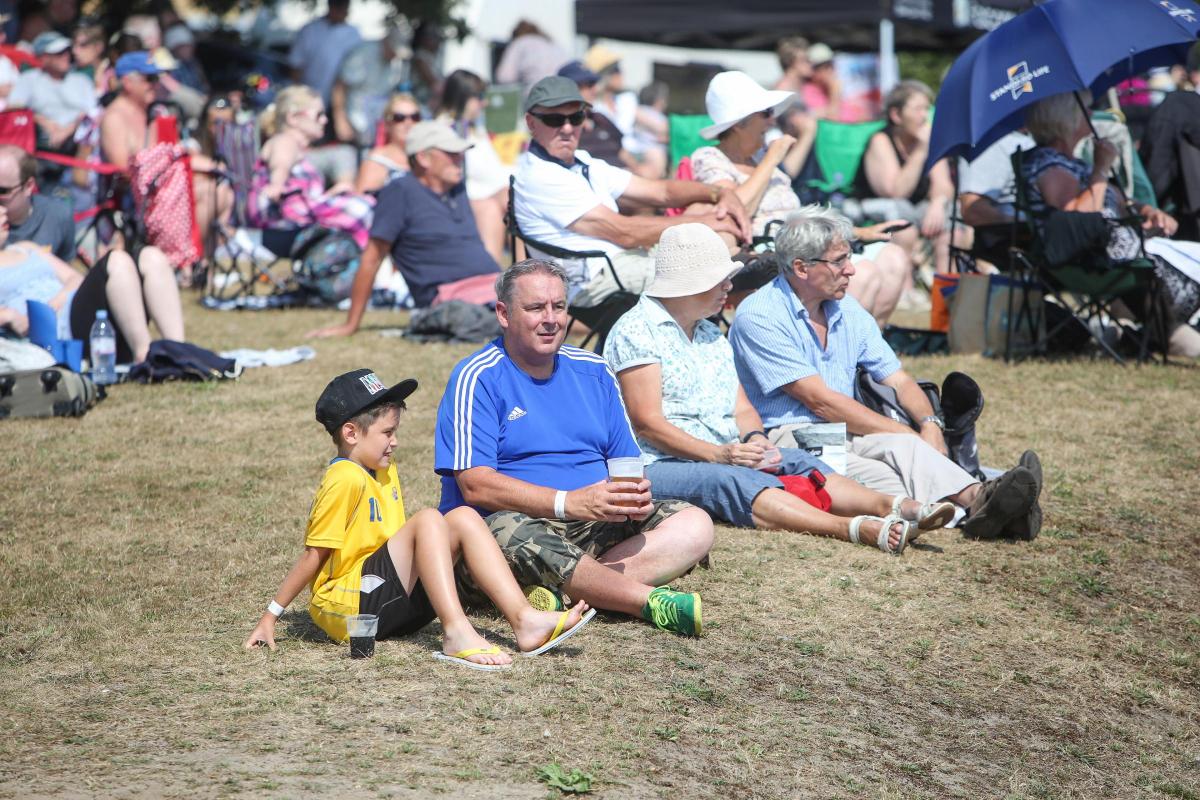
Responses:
[516,413]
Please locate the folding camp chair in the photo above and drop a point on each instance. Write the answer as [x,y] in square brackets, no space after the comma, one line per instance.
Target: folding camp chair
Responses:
[683,136]
[836,158]
[598,318]
[1081,279]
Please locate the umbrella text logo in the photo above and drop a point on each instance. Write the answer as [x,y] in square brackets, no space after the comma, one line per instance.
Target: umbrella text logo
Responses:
[1020,80]
[1186,14]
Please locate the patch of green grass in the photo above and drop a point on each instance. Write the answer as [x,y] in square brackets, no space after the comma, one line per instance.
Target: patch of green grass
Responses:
[1177,790]
[573,782]
[1091,585]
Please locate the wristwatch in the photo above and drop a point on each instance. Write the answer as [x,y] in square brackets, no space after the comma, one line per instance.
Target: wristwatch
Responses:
[936,420]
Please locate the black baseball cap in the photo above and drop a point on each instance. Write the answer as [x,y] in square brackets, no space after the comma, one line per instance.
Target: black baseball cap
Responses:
[352,393]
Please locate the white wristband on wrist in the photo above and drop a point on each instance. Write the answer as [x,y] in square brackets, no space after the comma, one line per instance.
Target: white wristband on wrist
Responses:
[560,504]
[275,608]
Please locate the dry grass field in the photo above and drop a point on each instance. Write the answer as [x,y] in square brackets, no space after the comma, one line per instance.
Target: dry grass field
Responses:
[141,543]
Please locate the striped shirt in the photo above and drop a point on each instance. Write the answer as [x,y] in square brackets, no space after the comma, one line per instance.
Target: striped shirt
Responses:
[774,344]
[556,432]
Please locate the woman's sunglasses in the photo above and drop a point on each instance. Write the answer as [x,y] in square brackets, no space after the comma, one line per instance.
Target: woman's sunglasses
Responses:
[558,120]
[414,117]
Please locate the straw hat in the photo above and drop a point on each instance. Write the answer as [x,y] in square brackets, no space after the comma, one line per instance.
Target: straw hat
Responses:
[600,58]
[733,96]
[690,259]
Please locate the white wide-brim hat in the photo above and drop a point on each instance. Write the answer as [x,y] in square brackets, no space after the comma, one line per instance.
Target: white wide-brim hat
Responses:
[733,96]
[690,259]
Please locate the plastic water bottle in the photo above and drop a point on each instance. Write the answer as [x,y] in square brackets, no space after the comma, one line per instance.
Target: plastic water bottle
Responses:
[104,350]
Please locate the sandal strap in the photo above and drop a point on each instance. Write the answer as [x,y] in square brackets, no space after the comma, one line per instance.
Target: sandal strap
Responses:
[885,533]
[897,502]
[855,523]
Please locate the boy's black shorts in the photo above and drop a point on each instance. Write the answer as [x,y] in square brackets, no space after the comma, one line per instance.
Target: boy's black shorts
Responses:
[400,613]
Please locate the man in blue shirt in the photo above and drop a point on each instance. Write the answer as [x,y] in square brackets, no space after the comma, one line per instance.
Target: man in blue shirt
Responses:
[797,344]
[524,430]
[425,219]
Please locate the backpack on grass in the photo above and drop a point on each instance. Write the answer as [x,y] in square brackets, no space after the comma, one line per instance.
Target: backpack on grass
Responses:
[325,262]
[959,404]
[49,392]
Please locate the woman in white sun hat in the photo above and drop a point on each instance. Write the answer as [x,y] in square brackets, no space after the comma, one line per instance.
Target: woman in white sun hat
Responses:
[743,114]
[701,439]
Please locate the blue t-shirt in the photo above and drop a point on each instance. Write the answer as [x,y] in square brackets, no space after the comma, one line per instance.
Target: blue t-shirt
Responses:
[433,237]
[556,432]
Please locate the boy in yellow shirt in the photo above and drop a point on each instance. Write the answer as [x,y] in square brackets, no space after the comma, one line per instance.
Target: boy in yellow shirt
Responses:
[362,557]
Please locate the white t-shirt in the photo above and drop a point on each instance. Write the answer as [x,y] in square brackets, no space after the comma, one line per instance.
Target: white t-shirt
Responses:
[991,173]
[550,197]
[63,101]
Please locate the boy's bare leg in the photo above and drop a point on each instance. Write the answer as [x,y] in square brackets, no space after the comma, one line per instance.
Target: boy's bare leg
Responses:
[421,551]
[470,536]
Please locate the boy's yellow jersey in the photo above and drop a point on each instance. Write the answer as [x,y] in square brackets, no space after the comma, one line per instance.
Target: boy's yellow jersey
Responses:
[354,513]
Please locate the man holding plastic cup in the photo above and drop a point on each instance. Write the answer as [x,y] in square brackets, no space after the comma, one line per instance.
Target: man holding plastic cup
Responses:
[524,433]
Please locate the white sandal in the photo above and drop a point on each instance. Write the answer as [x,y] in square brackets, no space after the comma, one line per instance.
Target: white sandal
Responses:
[885,529]
[930,516]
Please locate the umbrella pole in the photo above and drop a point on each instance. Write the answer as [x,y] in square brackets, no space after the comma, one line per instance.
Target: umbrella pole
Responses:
[1113,175]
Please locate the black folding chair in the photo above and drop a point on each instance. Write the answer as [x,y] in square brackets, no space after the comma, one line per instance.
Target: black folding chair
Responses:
[1067,258]
[599,318]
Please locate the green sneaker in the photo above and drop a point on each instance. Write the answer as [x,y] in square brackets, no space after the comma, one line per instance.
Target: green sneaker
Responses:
[544,598]
[679,612]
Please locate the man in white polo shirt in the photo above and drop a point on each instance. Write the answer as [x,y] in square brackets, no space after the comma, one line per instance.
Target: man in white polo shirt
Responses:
[566,198]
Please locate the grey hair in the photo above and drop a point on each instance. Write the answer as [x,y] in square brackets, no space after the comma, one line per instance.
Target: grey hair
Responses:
[1055,117]
[504,283]
[808,233]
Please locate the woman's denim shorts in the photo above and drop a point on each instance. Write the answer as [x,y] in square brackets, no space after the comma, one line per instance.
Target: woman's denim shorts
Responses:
[726,492]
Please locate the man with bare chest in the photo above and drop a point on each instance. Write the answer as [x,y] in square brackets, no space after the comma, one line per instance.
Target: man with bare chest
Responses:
[124,126]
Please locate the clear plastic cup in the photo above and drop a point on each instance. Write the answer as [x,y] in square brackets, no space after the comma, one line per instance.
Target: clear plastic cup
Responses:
[362,629]
[626,470]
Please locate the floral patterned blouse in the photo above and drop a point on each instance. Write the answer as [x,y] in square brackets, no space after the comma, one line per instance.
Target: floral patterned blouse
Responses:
[699,382]
[710,165]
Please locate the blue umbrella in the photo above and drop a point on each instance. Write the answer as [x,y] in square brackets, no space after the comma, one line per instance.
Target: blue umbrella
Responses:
[1056,47]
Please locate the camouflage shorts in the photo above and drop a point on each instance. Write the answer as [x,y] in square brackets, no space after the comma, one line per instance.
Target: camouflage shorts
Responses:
[545,552]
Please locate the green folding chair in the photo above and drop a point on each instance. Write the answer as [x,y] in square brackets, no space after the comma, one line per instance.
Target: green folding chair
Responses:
[683,134]
[838,150]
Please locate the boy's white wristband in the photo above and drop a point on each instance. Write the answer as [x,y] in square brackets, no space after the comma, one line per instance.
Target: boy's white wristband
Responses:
[560,504]
[275,608]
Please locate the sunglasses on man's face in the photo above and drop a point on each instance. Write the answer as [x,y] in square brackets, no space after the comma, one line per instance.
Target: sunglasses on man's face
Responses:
[7,191]
[558,120]
[414,117]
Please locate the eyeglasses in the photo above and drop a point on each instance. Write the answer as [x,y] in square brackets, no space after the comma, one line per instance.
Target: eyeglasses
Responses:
[838,265]
[558,120]
[5,191]
[413,117]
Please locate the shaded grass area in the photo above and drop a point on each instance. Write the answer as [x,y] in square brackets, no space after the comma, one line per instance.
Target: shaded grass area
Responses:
[142,541]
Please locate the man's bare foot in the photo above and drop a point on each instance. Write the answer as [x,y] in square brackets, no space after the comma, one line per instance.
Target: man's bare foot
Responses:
[534,627]
[455,640]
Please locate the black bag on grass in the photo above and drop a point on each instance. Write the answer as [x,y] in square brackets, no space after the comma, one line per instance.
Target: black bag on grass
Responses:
[169,360]
[959,404]
[50,392]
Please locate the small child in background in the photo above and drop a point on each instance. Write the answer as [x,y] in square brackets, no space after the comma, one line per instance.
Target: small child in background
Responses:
[361,556]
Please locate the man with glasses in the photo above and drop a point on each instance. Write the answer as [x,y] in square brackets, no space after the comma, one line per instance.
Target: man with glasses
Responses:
[33,217]
[567,198]
[424,219]
[798,343]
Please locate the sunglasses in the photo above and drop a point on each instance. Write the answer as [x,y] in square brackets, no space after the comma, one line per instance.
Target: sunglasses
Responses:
[558,120]
[413,117]
[220,104]
[5,191]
